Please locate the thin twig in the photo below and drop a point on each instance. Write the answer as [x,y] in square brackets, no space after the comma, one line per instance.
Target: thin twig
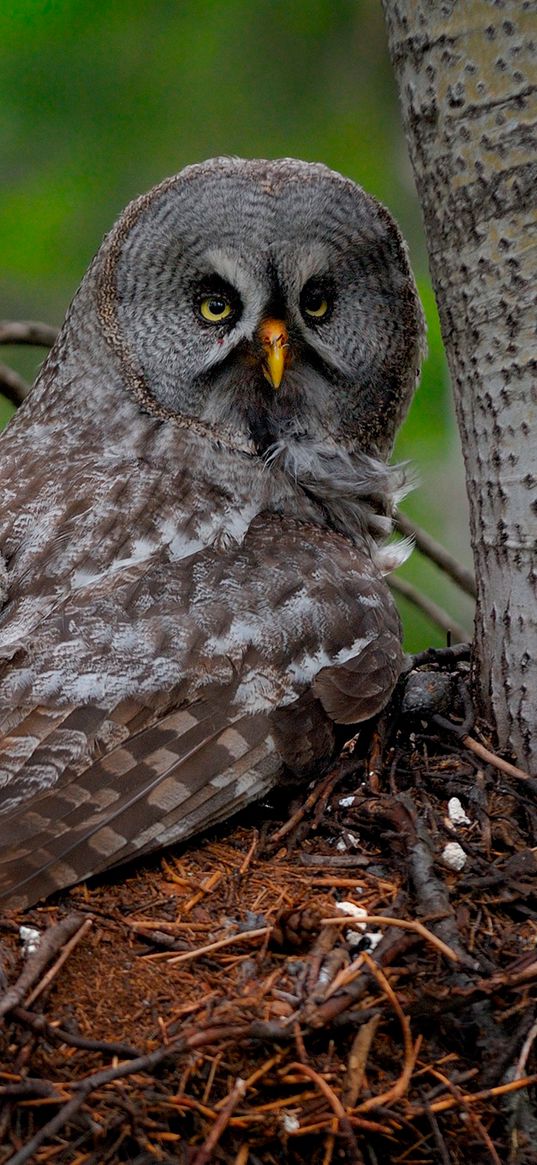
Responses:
[245,864]
[474,1097]
[27,332]
[53,971]
[83,1089]
[491,758]
[340,1114]
[29,1087]
[438,554]
[39,1024]
[308,804]
[222,942]
[12,386]
[526,1049]
[51,942]
[403,923]
[410,1050]
[445,657]
[205,1152]
[356,1064]
[435,613]
[485,754]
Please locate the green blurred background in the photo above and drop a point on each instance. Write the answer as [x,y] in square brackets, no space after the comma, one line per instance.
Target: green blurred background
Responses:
[99,101]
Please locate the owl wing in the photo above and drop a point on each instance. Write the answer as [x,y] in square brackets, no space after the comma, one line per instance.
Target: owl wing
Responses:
[154,701]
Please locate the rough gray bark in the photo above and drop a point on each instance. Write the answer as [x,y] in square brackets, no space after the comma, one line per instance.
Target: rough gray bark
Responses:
[466,72]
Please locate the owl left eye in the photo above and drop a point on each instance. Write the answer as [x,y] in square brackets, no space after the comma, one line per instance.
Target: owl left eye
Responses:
[315,302]
[216,308]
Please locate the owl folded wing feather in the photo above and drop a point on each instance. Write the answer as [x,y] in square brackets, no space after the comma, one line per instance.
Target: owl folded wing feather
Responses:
[164,697]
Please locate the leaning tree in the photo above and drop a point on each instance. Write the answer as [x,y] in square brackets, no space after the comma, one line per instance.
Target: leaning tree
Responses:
[466,76]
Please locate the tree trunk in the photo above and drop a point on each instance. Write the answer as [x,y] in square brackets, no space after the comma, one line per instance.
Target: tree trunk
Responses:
[465,70]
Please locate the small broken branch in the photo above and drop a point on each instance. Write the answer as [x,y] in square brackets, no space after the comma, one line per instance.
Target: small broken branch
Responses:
[50,944]
[429,608]
[438,554]
[27,332]
[12,386]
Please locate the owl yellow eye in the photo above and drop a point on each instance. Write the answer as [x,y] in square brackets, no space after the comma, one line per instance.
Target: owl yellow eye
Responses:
[215,308]
[314,303]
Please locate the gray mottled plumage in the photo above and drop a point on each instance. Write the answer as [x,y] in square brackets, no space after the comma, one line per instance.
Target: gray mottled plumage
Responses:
[191,563]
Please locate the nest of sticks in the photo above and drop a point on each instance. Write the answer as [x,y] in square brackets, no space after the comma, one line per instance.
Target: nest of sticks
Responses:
[349,977]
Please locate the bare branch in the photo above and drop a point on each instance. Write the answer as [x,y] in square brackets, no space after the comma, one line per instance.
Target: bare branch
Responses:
[51,943]
[12,386]
[435,613]
[27,332]
[438,554]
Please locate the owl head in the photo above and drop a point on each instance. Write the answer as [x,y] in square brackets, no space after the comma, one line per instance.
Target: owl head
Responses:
[269,298]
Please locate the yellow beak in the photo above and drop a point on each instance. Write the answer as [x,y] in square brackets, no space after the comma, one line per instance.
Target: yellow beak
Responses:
[275,341]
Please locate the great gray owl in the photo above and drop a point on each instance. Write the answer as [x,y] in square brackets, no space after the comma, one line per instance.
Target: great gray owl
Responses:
[195,502]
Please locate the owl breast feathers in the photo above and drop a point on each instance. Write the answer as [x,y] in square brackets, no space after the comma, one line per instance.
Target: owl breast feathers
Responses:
[195,508]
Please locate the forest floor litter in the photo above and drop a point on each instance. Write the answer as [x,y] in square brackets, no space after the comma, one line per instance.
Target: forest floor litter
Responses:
[345,974]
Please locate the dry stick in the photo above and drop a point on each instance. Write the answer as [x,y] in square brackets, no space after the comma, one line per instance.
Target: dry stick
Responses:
[242,1155]
[222,942]
[431,893]
[27,332]
[39,1024]
[205,1152]
[339,772]
[146,1064]
[51,974]
[468,1098]
[483,753]
[331,1010]
[51,942]
[526,1048]
[404,924]
[206,887]
[96,1080]
[12,386]
[439,1139]
[29,1087]
[410,1050]
[334,1102]
[358,1056]
[472,1117]
[492,759]
[438,554]
[258,1073]
[330,1145]
[435,613]
[245,864]
[334,861]
[485,1137]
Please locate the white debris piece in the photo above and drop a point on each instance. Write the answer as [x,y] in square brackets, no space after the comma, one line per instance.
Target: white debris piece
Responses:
[290,1122]
[353,911]
[454,856]
[456,812]
[30,939]
[373,938]
[346,802]
[356,936]
[350,841]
